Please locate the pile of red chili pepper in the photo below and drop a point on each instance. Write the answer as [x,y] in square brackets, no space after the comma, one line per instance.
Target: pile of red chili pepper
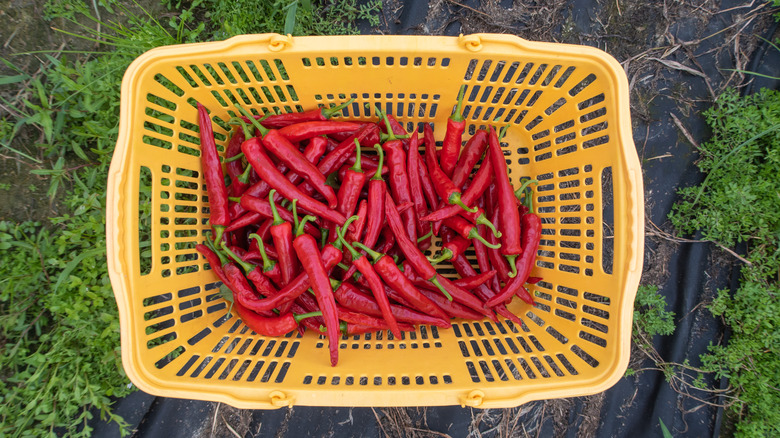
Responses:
[310,232]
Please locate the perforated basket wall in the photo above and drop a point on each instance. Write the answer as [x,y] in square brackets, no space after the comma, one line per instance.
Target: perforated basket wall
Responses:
[570,129]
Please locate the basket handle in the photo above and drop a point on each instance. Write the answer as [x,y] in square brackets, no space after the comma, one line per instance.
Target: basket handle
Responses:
[473,399]
[280,399]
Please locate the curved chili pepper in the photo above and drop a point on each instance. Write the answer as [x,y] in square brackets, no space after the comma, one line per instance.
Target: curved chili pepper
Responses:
[532,233]
[452,138]
[374,283]
[469,157]
[415,185]
[318,114]
[349,296]
[282,235]
[288,154]
[484,293]
[386,267]
[219,215]
[306,130]
[253,150]
[309,254]
[451,308]
[398,180]
[351,185]
[510,218]
[270,326]
[441,182]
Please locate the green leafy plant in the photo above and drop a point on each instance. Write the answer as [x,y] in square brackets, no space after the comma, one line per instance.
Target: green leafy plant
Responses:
[738,203]
[650,315]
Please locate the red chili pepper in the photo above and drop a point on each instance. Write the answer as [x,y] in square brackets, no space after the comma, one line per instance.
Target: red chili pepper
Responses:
[484,293]
[309,254]
[214,262]
[469,157]
[282,235]
[270,326]
[452,138]
[473,192]
[377,191]
[360,223]
[481,253]
[274,142]
[351,185]
[427,185]
[219,215]
[398,180]
[393,277]
[253,151]
[331,256]
[333,160]
[415,185]
[306,130]
[271,269]
[374,282]
[409,248]
[532,233]
[282,120]
[451,308]
[497,260]
[349,296]
[441,182]
[313,152]
[510,218]
[255,274]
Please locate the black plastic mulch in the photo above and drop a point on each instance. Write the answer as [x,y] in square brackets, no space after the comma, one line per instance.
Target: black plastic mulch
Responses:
[686,272]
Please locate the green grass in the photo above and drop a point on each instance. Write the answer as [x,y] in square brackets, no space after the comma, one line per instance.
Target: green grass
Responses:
[738,205]
[59,329]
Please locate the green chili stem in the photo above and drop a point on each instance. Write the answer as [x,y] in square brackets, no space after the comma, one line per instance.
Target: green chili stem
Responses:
[474,234]
[263,130]
[299,229]
[511,259]
[454,199]
[381,153]
[247,267]
[435,281]
[268,264]
[328,112]
[356,167]
[482,220]
[374,255]
[445,254]
[222,259]
[235,157]
[238,120]
[277,219]
[244,177]
[298,318]
[458,116]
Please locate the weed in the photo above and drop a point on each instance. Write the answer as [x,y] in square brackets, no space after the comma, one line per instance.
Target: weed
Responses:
[650,315]
[739,203]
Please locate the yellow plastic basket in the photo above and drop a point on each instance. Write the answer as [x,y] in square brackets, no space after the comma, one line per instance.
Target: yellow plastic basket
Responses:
[568,107]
